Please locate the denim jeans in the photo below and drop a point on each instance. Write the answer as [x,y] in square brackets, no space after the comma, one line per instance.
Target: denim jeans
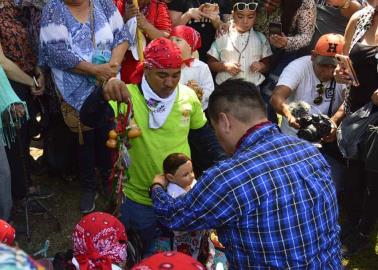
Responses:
[94,153]
[5,186]
[142,219]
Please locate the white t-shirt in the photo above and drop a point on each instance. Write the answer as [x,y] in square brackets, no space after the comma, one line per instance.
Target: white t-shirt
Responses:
[300,77]
[199,72]
[225,48]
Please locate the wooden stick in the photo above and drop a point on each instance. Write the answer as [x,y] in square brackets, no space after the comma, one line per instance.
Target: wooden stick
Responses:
[139,37]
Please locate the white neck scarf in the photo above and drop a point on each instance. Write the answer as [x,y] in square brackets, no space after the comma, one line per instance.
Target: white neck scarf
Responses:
[159,107]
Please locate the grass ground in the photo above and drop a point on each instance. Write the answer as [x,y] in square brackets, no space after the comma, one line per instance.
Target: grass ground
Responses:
[65,206]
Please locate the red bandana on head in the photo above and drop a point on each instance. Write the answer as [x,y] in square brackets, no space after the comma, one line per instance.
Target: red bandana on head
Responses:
[189,34]
[169,260]
[99,240]
[7,233]
[160,53]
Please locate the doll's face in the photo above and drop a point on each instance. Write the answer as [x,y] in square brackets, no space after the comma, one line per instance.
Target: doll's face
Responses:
[183,176]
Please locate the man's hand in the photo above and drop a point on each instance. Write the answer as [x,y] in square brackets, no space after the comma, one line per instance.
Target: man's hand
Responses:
[106,71]
[116,90]
[293,122]
[341,76]
[374,97]
[278,41]
[331,137]
[160,179]
[130,11]
[232,68]
[257,66]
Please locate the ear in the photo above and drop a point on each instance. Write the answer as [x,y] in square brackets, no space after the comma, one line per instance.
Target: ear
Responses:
[313,55]
[224,123]
[170,177]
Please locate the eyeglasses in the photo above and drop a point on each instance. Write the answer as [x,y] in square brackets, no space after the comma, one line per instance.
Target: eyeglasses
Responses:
[240,6]
[320,89]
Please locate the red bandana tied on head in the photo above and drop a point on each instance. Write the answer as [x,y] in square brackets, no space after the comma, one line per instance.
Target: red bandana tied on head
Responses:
[7,233]
[189,34]
[99,240]
[169,260]
[161,53]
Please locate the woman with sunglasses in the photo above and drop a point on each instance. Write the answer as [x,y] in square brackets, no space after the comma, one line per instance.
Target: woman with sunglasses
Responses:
[242,52]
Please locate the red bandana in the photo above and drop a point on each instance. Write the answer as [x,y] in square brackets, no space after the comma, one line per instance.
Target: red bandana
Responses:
[99,240]
[161,53]
[7,233]
[169,260]
[189,34]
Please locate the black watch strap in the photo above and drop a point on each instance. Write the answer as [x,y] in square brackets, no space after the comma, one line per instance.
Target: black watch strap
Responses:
[151,187]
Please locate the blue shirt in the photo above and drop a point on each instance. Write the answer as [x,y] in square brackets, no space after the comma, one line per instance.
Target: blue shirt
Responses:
[273,204]
[65,42]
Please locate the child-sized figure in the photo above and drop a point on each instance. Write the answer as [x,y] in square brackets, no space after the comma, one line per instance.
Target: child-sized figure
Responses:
[178,170]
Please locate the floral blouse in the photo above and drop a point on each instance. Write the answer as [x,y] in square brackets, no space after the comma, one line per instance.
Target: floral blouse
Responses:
[301,30]
[15,36]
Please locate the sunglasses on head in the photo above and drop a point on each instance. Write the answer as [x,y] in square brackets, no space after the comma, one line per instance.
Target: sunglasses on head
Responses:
[240,6]
[320,89]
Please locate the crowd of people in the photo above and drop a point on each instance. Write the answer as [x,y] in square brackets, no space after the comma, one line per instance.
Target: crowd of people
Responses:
[256,122]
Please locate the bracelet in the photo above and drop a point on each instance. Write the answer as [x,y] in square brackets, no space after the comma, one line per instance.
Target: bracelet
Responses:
[152,186]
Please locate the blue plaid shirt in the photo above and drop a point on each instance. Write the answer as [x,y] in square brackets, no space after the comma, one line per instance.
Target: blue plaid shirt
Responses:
[273,204]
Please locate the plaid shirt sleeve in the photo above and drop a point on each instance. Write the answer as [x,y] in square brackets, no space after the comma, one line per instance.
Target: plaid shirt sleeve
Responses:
[208,205]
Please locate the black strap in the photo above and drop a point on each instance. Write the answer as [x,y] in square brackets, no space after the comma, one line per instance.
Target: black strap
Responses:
[332,88]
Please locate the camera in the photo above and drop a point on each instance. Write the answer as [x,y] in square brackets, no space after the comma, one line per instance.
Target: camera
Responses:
[314,127]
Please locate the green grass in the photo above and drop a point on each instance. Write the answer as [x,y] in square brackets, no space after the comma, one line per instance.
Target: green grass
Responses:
[65,206]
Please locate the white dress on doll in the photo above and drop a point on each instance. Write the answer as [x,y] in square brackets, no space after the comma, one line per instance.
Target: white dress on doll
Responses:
[186,242]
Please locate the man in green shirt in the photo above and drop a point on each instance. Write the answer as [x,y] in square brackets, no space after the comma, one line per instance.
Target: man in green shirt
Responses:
[165,111]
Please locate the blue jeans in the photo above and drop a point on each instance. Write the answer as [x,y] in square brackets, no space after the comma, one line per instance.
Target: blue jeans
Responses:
[140,218]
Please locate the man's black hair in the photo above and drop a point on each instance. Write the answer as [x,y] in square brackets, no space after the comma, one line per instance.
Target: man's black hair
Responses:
[240,98]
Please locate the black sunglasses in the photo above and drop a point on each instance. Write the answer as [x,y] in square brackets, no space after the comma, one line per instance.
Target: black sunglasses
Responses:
[320,89]
[240,6]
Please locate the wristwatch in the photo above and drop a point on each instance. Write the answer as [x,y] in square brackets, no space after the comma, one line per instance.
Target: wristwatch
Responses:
[152,186]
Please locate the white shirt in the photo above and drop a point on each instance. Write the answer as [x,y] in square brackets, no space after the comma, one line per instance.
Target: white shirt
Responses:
[300,77]
[225,49]
[199,72]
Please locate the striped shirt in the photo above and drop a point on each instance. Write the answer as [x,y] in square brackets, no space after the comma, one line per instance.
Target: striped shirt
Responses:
[273,204]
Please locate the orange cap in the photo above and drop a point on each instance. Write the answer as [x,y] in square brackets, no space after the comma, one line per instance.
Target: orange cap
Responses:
[329,45]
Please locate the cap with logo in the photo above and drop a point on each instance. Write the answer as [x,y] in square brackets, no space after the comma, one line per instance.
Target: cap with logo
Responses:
[327,47]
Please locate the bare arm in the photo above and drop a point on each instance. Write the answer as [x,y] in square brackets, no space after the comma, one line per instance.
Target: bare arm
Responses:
[13,71]
[278,102]
[179,18]
[349,32]
[104,71]
[118,53]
